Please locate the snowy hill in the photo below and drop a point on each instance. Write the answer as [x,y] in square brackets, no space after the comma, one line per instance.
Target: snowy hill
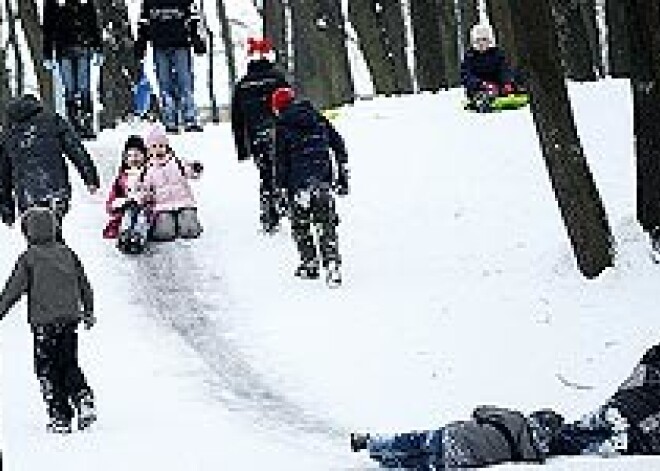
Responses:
[460,290]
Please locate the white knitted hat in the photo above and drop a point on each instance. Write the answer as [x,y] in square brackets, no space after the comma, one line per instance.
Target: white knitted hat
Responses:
[482,31]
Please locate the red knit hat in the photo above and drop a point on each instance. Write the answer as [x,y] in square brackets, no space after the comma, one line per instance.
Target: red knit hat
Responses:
[281,98]
[259,46]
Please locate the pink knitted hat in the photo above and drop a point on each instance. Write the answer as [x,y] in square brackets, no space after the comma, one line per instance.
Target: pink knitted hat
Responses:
[155,136]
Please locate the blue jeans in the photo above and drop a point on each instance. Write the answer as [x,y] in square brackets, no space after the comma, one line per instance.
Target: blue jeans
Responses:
[75,65]
[175,81]
[416,450]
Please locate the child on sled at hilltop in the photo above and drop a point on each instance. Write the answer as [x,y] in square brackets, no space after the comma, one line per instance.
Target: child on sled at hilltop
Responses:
[167,181]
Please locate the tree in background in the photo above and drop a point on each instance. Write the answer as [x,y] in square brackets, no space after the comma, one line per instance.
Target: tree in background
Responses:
[449,37]
[575,44]
[579,201]
[430,61]
[274,27]
[225,34]
[468,17]
[644,33]
[500,17]
[380,28]
[618,38]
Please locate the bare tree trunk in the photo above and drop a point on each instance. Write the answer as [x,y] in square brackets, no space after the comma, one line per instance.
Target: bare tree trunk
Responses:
[380,29]
[644,33]
[449,34]
[321,66]
[576,193]
[588,12]
[120,67]
[275,29]
[5,91]
[429,54]
[225,33]
[469,17]
[27,10]
[19,68]
[574,41]
[618,38]
[500,17]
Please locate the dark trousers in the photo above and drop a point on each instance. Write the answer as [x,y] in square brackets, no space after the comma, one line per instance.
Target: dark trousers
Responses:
[421,451]
[62,382]
[262,145]
[315,207]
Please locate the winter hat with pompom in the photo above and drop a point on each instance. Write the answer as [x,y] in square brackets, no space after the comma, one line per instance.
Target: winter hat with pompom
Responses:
[156,136]
[259,47]
[482,31]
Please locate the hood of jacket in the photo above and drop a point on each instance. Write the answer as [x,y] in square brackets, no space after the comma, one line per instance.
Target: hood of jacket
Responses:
[22,108]
[38,226]
[300,114]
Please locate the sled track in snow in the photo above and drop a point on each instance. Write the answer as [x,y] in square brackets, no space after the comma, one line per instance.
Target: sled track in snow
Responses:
[175,287]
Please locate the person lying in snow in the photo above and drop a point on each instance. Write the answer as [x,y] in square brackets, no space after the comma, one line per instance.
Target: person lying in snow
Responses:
[129,214]
[627,424]
[169,192]
[485,73]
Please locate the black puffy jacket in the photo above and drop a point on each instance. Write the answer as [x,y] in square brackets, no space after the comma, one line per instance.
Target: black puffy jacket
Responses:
[304,138]
[486,66]
[168,23]
[69,25]
[250,111]
[32,149]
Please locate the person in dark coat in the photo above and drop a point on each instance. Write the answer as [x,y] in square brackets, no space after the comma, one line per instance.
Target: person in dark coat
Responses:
[484,70]
[628,423]
[173,27]
[304,169]
[71,36]
[252,124]
[33,171]
[59,297]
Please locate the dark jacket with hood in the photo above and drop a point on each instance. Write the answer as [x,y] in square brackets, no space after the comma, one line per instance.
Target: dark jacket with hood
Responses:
[304,138]
[50,274]
[250,109]
[487,66]
[72,24]
[169,24]
[32,163]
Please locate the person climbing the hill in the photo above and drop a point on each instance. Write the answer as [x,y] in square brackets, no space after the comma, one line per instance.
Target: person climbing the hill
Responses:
[129,214]
[485,73]
[166,181]
[252,124]
[626,424]
[305,140]
[59,297]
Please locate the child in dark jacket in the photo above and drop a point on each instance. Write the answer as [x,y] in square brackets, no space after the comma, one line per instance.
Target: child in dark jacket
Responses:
[129,214]
[304,139]
[626,424]
[484,70]
[59,297]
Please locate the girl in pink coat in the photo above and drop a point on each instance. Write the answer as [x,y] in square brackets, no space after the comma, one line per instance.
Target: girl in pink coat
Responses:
[167,181]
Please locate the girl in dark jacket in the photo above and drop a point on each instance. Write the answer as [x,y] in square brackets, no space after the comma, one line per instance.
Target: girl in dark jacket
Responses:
[304,139]
[71,35]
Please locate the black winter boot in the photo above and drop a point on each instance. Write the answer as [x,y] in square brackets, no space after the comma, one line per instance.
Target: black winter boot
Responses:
[359,441]
[308,270]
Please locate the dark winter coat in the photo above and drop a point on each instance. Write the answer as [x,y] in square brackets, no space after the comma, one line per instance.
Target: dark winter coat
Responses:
[32,151]
[50,274]
[638,401]
[488,66]
[304,138]
[71,25]
[168,24]
[250,110]
[494,435]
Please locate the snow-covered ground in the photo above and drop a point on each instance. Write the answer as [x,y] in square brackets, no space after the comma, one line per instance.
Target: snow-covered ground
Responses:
[460,289]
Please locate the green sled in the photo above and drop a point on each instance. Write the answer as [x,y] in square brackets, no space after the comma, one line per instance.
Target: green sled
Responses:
[503,103]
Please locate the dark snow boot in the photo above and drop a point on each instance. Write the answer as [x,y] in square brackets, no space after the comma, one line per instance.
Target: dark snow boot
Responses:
[359,441]
[130,242]
[308,270]
[333,274]
[86,411]
[59,425]
[654,239]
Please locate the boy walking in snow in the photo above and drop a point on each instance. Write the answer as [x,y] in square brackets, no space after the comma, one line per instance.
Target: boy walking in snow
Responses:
[304,140]
[59,297]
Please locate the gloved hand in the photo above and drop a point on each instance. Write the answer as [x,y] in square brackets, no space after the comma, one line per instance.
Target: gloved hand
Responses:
[89,320]
[508,89]
[49,64]
[490,88]
[199,46]
[341,184]
[8,218]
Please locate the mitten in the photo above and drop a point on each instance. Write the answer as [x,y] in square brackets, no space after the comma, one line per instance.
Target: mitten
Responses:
[508,89]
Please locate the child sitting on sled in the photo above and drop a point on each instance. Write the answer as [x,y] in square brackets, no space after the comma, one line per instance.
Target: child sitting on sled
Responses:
[166,178]
[485,73]
[127,203]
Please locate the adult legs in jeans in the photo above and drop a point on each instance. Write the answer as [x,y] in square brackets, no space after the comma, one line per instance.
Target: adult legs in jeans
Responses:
[184,77]
[75,67]
[175,81]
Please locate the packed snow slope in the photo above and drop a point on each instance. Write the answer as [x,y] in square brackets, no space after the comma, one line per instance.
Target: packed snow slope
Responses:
[460,289]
